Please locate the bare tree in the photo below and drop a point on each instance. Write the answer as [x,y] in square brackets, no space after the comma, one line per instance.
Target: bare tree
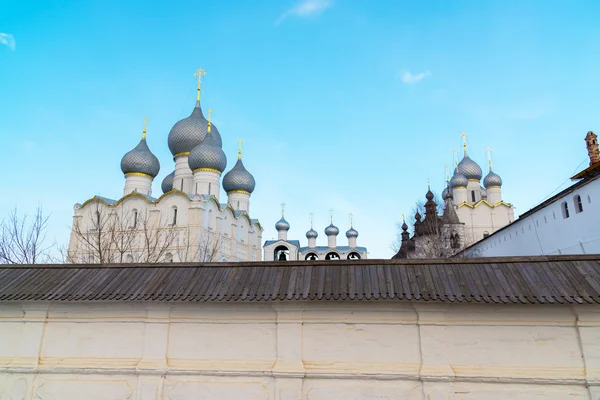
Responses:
[113,235]
[210,246]
[23,239]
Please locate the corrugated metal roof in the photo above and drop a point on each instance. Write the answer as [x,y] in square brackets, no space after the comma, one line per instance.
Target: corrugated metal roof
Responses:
[553,280]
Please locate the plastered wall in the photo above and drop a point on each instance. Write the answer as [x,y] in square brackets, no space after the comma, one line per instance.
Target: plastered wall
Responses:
[298,350]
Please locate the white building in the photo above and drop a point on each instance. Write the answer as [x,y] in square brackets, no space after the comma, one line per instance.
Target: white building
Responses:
[283,249]
[472,211]
[187,222]
[361,330]
[566,223]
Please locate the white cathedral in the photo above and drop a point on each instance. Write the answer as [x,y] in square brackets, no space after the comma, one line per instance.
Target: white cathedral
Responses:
[471,213]
[187,222]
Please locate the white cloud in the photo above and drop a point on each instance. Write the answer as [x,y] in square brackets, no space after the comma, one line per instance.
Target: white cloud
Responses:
[410,79]
[306,8]
[8,40]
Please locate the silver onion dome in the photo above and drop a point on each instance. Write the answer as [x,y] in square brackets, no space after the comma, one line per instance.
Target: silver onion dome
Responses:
[282,225]
[351,233]
[404,226]
[208,154]
[458,180]
[469,168]
[429,195]
[238,178]
[190,132]
[446,193]
[332,230]
[312,234]
[492,179]
[167,183]
[140,160]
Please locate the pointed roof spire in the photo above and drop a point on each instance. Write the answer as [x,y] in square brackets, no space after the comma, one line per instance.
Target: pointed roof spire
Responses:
[199,74]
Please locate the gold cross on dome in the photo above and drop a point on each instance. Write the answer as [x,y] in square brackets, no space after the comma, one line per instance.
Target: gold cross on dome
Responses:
[240,141]
[489,155]
[331,215]
[282,208]
[144,131]
[199,74]
[351,220]
[464,136]
[312,219]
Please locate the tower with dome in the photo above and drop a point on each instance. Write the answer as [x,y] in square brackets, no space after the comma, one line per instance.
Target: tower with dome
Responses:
[188,221]
[284,249]
[471,212]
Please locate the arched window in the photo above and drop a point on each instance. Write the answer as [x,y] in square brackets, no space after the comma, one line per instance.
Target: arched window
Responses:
[135,218]
[238,207]
[486,234]
[209,188]
[181,186]
[455,240]
[168,258]
[174,222]
[97,218]
[354,256]
[311,257]
[578,205]
[565,209]
[332,256]
[129,258]
[281,253]
[473,196]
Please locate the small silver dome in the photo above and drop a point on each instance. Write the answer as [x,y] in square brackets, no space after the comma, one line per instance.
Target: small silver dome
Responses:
[239,179]
[351,233]
[282,225]
[446,193]
[404,226]
[483,192]
[167,183]
[429,195]
[312,234]
[458,180]
[140,160]
[469,168]
[208,154]
[190,132]
[492,179]
[332,230]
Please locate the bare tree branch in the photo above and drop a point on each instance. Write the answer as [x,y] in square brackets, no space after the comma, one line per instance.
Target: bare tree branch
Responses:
[23,240]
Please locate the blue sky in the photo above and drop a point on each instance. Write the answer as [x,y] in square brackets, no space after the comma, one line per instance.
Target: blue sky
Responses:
[343,105]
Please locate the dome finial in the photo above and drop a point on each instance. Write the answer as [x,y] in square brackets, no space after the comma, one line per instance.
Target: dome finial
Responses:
[312,220]
[455,157]
[210,110]
[199,74]
[331,216]
[282,209]
[447,172]
[464,136]
[240,141]
[489,155]
[144,131]
[351,220]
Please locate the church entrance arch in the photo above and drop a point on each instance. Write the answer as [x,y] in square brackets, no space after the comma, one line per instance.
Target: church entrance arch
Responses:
[281,253]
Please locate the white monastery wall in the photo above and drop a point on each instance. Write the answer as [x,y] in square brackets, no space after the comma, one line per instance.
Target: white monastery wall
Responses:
[298,350]
[547,231]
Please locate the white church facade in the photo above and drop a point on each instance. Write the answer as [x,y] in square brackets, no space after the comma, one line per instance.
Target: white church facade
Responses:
[188,222]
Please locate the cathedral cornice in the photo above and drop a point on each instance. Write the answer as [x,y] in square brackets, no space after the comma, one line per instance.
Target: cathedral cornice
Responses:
[487,203]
